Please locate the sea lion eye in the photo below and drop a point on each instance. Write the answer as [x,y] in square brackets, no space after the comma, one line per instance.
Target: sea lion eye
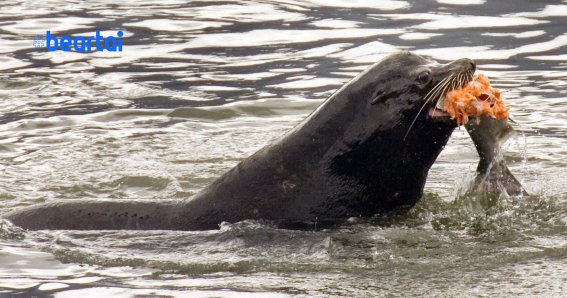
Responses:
[424,77]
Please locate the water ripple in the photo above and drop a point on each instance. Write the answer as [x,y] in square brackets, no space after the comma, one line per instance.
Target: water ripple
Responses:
[201,85]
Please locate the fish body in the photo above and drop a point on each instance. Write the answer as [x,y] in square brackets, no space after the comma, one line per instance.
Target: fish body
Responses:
[492,174]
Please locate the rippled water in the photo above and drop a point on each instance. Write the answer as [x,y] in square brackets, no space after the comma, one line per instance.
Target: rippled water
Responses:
[201,85]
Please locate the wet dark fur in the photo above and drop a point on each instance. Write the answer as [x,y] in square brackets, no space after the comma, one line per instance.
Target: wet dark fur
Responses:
[351,157]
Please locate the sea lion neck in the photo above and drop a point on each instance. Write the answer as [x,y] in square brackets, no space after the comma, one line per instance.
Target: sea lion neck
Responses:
[339,120]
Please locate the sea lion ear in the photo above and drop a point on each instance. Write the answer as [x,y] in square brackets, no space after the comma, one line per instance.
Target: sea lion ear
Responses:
[378,97]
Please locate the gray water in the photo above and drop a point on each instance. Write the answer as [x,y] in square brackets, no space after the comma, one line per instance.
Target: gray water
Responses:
[202,85]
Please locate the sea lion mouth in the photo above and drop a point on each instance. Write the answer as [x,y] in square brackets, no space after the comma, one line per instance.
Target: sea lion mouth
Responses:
[435,99]
[455,75]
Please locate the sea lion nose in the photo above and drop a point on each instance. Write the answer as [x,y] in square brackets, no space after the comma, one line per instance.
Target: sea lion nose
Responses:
[464,64]
[468,63]
[473,65]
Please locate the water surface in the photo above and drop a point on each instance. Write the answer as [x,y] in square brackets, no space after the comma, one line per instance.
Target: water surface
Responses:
[202,85]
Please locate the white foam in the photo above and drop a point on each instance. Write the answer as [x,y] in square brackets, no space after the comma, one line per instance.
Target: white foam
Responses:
[417,35]
[548,11]
[13,45]
[263,37]
[367,53]
[50,286]
[498,66]
[381,5]
[526,34]
[55,25]
[463,21]
[413,16]
[298,83]
[549,57]
[336,24]
[247,13]
[462,2]
[175,25]
[486,53]
[11,63]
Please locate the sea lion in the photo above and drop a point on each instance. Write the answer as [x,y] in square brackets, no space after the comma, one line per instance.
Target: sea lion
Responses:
[367,149]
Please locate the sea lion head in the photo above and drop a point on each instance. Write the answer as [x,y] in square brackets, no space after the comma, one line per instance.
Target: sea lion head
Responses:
[417,83]
[395,135]
[398,95]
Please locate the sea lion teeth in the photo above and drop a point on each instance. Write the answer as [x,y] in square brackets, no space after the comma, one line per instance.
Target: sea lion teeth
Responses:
[440,103]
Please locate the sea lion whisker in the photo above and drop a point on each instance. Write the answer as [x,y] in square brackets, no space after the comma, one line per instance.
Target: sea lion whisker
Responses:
[454,83]
[431,98]
[438,87]
[433,93]
[443,85]
[468,78]
[458,81]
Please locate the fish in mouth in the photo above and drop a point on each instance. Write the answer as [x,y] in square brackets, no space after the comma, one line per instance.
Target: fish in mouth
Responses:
[456,75]
[463,95]
[437,96]
[470,100]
